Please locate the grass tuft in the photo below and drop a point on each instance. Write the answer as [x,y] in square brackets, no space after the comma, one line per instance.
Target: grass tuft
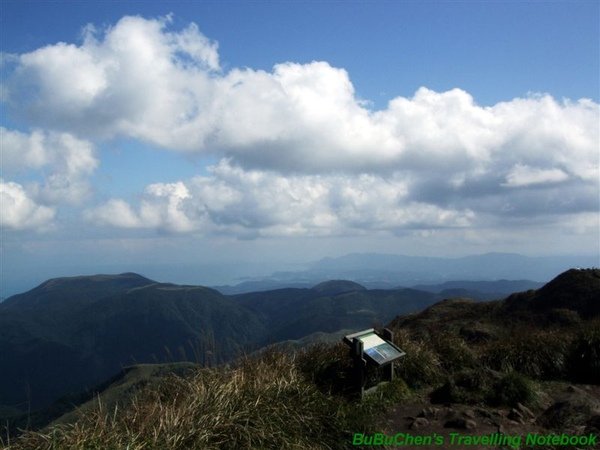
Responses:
[511,389]
[421,366]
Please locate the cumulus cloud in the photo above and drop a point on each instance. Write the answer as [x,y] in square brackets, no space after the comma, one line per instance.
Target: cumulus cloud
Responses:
[253,203]
[300,154]
[140,79]
[115,212]
[136,78]
[66,160]
[19,211]
[161,208]
[260,203]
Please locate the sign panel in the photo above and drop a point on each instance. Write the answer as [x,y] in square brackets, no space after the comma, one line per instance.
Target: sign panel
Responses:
[379,351]
[376,349]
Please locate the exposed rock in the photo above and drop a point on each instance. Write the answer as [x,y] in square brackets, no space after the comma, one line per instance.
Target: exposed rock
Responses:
[525,411]
[469,413]
[566,413]
[574,390]
[429,412]
[450,413]
[484,413]
[461,423]
[516,416]
[419,422]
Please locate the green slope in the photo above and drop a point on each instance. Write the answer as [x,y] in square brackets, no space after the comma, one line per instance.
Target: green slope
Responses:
[117,391]
[69,334]
[294,313]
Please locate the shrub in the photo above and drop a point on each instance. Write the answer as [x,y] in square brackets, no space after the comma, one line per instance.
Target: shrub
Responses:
[327,366]
[421,366]
[467,386]
[511,389]
[539,354]
[453,352]
[583,360]
[363,416]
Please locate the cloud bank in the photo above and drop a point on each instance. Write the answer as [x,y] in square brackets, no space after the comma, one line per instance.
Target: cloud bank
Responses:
[299,152]
[257,203]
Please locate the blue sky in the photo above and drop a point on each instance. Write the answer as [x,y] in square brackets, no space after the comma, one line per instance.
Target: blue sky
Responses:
[235,137]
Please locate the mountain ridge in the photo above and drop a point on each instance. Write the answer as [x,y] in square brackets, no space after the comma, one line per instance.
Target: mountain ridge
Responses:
[70,333]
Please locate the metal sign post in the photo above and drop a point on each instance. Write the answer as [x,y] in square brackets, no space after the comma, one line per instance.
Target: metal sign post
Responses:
[369,348]
[360,365]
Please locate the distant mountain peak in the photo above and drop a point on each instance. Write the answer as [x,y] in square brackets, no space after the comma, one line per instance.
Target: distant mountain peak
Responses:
[335,287]
[127,276]
[79,289]
[131,275]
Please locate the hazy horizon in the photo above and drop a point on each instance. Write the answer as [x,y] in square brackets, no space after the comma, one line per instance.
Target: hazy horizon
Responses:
[231,274]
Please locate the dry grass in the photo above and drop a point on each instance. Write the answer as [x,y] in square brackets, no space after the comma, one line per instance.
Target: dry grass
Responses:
[277,400]
[261,403]
[535,353]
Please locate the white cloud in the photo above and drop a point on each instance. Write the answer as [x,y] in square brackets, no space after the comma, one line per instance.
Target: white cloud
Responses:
[115,212]
[21,151]
[18,211]
[137,79]
[141,80]
[161,208]
[67,163]
[259,203]
[522,175]
[300,153]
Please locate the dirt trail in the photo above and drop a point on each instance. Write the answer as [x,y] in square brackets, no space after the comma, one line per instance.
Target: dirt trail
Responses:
[453,425]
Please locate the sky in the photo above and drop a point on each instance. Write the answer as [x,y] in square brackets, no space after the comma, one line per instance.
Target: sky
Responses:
[208,141]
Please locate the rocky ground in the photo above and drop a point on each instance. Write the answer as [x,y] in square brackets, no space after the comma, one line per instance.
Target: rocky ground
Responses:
[560,408]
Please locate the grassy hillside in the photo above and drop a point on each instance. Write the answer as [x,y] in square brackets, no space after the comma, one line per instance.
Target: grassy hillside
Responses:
[551,333]
[291,314]
[272,400]
[70,334]
[112,393]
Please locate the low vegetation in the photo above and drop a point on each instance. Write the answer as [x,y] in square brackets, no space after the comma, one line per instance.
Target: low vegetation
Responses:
[272,400]
[303,401]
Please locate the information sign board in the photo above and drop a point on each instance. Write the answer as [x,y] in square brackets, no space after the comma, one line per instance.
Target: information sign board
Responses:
[376,349]
[379,351]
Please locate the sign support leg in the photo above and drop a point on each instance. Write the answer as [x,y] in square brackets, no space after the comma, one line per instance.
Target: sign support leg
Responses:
[388,371]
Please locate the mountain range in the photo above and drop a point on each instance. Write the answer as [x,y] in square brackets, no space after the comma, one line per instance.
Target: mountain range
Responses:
[389,271]
[68,334]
